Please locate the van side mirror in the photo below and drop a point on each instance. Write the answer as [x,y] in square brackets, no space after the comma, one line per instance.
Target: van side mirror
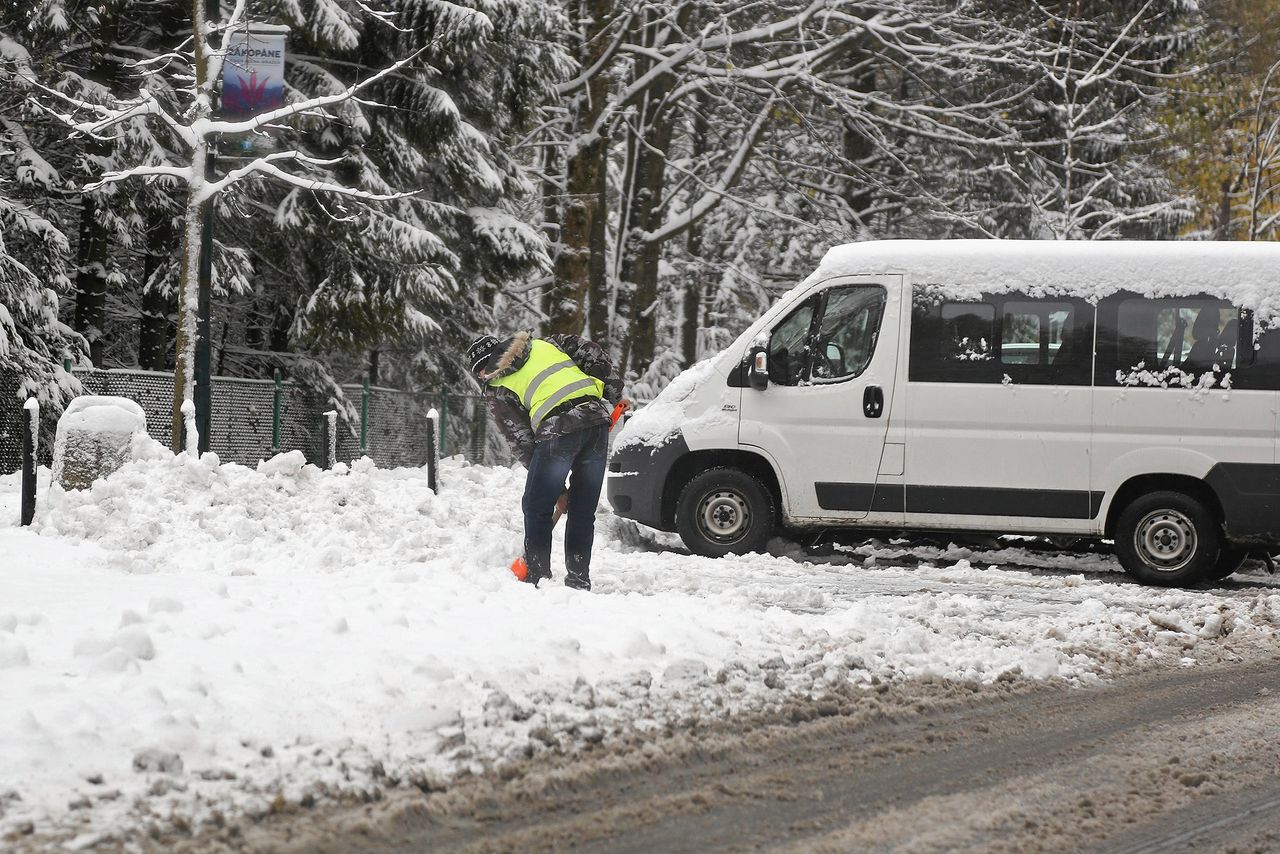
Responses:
[758,370]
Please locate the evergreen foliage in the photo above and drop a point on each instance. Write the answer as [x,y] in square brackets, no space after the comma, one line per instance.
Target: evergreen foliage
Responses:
[34,249]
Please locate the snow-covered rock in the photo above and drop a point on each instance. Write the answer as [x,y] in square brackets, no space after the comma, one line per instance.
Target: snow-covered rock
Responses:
[95,437]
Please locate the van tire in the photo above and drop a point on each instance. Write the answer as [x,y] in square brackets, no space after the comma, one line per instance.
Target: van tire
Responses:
[1229,561]
[1168,539]
[725,511]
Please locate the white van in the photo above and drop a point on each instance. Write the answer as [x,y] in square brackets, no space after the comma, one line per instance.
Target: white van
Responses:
[1118,390]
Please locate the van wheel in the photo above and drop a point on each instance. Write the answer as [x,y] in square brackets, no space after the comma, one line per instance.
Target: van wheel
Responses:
[725,511]
[1229,560]
[1167,538]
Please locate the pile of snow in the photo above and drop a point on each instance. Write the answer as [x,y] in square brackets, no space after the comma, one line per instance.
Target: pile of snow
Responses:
[187,636]
[103,414]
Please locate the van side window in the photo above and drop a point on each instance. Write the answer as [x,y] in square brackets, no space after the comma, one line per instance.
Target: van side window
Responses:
[1174,342]
[789,345]
[828,338]
[847,332]
[1033,341]
[952,341]
[968,332]
[1032,332]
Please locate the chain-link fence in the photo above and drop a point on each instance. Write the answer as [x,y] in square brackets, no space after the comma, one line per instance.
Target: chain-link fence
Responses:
[467,429]
[243,417]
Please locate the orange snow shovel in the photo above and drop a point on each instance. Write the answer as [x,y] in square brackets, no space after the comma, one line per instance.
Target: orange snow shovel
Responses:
[519,568]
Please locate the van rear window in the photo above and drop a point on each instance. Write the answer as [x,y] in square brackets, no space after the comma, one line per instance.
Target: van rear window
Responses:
[1183,342]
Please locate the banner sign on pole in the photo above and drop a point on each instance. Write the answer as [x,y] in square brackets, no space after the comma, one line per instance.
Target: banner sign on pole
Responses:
[253,72]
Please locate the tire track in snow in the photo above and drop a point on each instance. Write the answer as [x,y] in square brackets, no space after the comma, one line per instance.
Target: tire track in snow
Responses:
[1163,761]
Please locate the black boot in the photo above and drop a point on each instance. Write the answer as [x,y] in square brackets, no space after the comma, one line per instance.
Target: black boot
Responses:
[578,575]
[539,568]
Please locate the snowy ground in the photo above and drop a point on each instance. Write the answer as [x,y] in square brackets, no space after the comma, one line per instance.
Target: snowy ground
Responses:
[189,638]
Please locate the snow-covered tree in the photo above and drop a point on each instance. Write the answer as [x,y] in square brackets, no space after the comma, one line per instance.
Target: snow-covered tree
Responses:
[823,121]
[406,282]
[1087,125]
[82,50]
[387,182]
[33,250]
[33,341]
[103,117]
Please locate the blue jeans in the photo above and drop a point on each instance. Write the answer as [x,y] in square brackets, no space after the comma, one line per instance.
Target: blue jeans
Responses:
[579,456]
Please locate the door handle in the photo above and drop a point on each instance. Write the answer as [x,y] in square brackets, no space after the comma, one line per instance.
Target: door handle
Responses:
[873,401]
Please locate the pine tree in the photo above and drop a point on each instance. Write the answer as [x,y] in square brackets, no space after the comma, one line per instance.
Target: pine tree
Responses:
[34,249]
[413,278]
[85,50]
[304,280]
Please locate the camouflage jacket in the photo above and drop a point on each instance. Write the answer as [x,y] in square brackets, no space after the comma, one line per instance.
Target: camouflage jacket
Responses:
[513,419]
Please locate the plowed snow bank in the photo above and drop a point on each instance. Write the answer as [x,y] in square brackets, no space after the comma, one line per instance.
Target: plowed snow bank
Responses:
[189,636]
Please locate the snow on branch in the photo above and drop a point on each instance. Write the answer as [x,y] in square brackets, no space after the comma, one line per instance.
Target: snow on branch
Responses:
[180,172]
[92,119]
[144,105]
[717,192]
[267,166]
[214,58]
[668,60]
[624,29]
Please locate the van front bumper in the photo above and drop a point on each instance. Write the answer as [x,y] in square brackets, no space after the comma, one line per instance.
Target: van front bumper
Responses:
[637,477]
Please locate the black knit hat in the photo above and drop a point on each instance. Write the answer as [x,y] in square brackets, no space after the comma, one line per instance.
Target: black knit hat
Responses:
[479,351]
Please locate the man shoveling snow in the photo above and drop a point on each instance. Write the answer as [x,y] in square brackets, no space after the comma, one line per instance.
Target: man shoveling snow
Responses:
[549,396]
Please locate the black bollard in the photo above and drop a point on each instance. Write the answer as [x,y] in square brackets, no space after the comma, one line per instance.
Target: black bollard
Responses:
[30,441]
[433,451]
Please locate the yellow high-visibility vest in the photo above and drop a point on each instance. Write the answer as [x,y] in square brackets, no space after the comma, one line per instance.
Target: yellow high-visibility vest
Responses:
[548,379]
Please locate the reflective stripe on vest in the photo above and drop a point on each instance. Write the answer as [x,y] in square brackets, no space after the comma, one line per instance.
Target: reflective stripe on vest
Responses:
[548,379]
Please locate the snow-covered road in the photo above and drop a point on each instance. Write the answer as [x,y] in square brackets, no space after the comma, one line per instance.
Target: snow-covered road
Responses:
[189,638]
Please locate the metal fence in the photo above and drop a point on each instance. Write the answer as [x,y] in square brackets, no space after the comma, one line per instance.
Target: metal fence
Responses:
[242,419]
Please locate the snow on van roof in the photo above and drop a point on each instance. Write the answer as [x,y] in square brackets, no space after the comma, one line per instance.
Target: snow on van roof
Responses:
[1248,274]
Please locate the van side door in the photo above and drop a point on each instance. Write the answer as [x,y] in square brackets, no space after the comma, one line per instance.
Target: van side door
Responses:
[822,419]
[999,413]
